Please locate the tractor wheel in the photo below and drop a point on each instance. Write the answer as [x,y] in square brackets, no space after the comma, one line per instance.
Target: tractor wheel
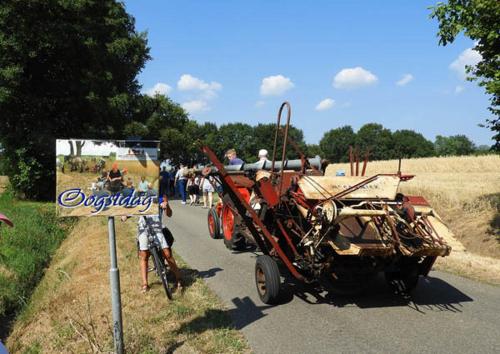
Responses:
[213,223]
[232,239]
[267,279]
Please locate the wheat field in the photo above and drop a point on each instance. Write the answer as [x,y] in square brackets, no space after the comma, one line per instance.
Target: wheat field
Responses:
[464,190]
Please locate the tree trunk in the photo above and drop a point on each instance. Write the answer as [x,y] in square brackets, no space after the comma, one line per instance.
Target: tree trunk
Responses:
[79,145]
[71,148]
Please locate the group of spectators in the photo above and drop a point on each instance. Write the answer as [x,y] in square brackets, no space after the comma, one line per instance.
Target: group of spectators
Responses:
[116,181]
[187,183]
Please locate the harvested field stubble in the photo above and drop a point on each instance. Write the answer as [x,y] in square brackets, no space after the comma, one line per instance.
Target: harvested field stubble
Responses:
[465,191]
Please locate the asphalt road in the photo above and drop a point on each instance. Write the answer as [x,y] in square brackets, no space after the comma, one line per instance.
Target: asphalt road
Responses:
[446,313]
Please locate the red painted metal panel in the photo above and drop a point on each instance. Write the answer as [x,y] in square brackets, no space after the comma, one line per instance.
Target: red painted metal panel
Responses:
[417,200]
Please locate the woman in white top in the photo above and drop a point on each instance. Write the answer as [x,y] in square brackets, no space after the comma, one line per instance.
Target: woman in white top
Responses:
[208,190]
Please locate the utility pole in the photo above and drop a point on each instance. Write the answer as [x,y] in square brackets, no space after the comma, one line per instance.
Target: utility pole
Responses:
[114,277]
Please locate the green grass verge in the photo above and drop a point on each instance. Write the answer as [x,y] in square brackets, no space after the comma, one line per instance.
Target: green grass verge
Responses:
[26,249]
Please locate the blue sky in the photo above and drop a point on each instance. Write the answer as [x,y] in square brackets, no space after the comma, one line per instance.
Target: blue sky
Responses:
[228,61]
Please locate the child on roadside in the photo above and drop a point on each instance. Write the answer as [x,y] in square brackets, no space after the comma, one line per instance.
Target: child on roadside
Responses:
[208,190]
[193,189]
[144,225]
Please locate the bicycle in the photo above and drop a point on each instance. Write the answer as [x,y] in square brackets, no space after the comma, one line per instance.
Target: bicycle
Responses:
[160,268]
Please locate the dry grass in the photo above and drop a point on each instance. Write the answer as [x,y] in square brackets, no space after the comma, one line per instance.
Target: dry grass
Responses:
[4,181]
[465,191]
[70,310]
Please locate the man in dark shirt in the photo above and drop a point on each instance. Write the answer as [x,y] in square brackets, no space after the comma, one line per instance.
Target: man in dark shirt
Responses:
[164,181]
[115,179]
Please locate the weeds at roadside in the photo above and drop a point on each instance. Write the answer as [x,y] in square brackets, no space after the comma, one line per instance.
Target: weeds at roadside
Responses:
[26,249]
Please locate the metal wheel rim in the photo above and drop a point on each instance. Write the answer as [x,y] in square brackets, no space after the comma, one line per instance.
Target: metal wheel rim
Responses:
[260,279]
[228,223]
[211,224]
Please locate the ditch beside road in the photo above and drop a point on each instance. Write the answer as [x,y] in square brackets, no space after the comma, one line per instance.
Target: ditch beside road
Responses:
[446,313]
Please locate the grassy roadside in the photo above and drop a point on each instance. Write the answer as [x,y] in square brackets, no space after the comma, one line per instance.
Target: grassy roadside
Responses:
[25,251]
[70,310]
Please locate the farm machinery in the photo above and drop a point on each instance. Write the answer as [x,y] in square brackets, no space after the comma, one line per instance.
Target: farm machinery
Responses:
[321,226]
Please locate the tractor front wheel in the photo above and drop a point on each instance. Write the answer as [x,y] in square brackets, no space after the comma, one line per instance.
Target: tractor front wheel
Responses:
[267,279]
[213,223]
[232,238]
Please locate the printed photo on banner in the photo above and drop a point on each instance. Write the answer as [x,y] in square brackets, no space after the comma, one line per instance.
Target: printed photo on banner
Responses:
[106,177]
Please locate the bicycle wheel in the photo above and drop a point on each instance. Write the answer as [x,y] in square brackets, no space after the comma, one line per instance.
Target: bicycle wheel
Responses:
[161,270]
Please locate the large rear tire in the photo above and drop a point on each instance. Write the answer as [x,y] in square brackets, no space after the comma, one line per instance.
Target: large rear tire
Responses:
[213,223]
[267,279]
[161,271]
[232,238]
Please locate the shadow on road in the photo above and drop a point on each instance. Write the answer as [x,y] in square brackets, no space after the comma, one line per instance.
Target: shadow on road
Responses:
[189,275]
[246,312]
[432,294]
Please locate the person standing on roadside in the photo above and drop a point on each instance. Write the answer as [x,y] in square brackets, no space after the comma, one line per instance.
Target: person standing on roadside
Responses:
[180,181]
[233,158]
[164,181]
[193,190]
[156,224]
[208,190]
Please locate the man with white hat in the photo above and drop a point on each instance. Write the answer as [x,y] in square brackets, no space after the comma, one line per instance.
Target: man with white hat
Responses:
[263,155]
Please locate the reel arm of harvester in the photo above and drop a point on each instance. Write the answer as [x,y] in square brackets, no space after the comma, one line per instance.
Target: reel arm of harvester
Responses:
[264,238]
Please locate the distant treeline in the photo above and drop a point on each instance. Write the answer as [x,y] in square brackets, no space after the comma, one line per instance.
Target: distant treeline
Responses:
[382,144]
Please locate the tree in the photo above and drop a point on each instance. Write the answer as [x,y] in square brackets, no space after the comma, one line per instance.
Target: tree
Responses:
[239,136]
[335,143]
[408,143]
[313,150]
[480,21]
[68,68]
[377,139]
[159,118]
[456,145]
[264,135]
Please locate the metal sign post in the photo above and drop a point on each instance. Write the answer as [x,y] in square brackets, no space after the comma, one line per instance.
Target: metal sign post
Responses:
[114,277]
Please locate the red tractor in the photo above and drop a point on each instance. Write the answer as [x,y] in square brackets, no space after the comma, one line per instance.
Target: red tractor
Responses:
[323,227]
[224,220]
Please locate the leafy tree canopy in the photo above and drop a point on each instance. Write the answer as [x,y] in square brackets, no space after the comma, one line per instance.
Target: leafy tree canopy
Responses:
[408,143]
[480,21]
[377,139]
[67,69]
[454,145]
[335,143]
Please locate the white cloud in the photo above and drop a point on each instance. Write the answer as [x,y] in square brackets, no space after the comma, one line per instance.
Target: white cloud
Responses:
[275,85]
[327,103]
[203,92]
[467,57]
[159,89]
[352,78]
[459,89]
[196,106]
[190,83]
[405,80]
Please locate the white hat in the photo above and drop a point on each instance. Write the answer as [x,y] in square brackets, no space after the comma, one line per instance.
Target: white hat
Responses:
[262,153]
